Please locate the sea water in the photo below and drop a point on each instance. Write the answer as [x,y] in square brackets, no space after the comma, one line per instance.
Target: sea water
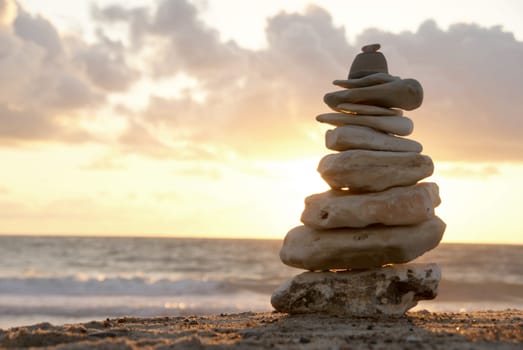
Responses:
[76,279]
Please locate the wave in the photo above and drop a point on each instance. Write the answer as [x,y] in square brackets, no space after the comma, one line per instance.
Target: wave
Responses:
[16,310]
[70,299]
[132,286]
[70,306]
[139,286]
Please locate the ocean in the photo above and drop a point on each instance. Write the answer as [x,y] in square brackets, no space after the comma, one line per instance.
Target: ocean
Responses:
[78,279]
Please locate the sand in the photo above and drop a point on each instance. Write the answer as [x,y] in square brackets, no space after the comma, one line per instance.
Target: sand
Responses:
[416,330]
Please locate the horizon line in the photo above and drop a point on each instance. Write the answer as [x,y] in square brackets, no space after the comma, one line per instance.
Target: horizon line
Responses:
[170,236]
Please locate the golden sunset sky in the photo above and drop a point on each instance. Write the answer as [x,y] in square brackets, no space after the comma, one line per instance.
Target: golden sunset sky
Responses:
[197,118]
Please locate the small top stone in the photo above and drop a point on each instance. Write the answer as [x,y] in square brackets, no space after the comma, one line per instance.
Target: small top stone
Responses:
[367,62]
[371,48]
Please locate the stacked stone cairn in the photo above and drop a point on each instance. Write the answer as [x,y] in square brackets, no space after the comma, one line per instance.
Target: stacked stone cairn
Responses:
[359,236]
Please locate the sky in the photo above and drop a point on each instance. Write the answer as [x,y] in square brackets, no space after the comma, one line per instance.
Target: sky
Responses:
[197,118]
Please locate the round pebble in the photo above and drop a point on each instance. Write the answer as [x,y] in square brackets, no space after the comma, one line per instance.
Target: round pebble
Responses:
[370,48]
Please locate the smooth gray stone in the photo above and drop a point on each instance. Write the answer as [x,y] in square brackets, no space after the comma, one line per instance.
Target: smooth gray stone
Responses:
[391,290]
[404,93]
[369,80]
[366,63]
[402,126]
[374,171]
[344,138]
[395,206]
[359,248]
[353,108]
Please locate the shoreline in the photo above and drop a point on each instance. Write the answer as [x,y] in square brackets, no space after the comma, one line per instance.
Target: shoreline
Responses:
[249,330]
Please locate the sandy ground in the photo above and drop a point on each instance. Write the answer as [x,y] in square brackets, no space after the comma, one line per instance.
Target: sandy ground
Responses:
[417,330]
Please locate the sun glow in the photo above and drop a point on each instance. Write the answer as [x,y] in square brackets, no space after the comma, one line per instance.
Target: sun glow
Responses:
[92,194]
[479,205]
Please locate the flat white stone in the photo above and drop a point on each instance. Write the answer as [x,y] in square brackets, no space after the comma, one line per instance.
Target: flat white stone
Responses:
[402,126]
[359,248]
[347,137]
[403,93]
[395,206]
[363,109]
[374,171]
[390,290]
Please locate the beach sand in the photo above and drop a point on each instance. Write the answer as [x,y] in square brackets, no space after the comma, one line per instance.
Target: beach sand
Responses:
[416,330]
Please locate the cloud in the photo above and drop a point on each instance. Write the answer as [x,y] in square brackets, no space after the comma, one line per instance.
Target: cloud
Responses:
[48,81]
[472,77]
[136,18]
[23,124]
[258,103]
[263,102]
[191,46]
[137,139]
[39,31]
[17,126]
[105,65]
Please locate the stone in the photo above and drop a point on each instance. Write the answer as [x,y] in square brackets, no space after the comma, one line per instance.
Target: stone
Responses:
[374,171]
[344,138]
[391,290]
[369,80]
[368,62]
[403,93]
[359,248]
[352,108]
[402,126]
[395,206]
[370,48]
